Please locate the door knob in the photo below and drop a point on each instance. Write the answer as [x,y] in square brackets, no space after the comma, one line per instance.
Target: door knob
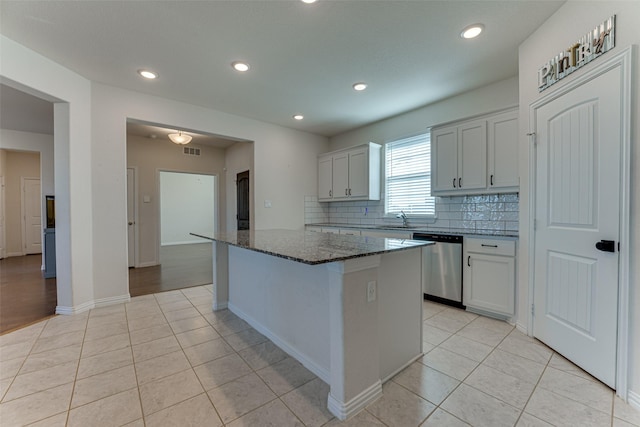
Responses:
[606,246]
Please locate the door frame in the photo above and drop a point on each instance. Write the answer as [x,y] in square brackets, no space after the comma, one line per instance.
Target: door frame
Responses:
[23,211]
[134,170]
[623,60]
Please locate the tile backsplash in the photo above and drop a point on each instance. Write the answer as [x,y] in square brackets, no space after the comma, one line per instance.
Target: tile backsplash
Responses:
[482,212]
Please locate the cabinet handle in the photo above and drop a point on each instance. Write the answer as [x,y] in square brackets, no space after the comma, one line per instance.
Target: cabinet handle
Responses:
[349,191]
[330,195]
[492,180]
[459,182]
[469,260]
[454,183]
[489,246]
[346,191]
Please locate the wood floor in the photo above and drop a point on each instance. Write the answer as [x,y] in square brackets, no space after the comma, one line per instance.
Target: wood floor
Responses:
[26,297]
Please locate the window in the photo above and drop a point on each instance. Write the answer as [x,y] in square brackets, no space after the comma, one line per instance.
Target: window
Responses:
[408,177]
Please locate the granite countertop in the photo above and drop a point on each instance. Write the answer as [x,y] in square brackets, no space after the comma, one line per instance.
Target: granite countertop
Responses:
[418,229]
[311,248]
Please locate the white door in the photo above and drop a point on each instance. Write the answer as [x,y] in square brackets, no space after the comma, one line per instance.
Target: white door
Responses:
[503,150]
[31,216]
[578,155]
[341,175]
[3,248]
[325,178]
[131,216]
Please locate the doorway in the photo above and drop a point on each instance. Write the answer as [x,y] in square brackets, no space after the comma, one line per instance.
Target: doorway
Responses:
[242,189]
[579,299]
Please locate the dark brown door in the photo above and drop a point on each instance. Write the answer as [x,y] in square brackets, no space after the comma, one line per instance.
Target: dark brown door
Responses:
[242,186]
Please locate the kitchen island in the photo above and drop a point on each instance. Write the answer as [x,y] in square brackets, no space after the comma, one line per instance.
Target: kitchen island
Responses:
[349,308]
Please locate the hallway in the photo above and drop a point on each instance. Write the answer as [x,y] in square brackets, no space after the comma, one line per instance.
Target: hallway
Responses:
[26,297]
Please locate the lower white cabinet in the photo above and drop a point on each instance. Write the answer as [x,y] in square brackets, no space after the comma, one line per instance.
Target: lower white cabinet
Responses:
[489,276]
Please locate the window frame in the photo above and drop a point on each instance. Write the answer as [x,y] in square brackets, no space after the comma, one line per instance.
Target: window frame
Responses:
[425,216]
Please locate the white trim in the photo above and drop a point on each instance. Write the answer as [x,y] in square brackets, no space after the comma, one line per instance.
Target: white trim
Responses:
[147,264]
[120,299]
[136,236]
[220,306]
[624,60]
[318,370]
[344,410]
[76,309]
[633,399]
[403,367]
[11,254]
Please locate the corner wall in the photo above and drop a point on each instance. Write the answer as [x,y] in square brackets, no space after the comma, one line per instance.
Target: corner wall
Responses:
[569,23]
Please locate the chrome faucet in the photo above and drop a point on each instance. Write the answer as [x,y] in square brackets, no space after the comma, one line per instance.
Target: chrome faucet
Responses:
[404,218]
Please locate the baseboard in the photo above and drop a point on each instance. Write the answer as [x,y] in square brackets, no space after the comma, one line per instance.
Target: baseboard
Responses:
[344,410]
[220,306]
[319,371]
[522,328]
[147,264]
[403,367]
[633,399]
[75,309]
[11,254]
[102,302]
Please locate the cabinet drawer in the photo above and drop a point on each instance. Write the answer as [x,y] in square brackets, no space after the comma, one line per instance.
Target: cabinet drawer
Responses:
[491,246]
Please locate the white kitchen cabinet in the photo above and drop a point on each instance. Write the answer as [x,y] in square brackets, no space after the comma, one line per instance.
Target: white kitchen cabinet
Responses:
[503,152]
[489,276]
[350,174]
[458,162]
[478,156]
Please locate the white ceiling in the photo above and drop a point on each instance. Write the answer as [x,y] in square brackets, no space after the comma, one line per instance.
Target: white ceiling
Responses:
[304,58]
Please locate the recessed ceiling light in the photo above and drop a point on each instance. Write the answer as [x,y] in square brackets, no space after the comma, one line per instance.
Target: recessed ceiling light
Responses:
[148,74]
[298,116]
[359,86]
[309,1]
[240,66]
[472,31]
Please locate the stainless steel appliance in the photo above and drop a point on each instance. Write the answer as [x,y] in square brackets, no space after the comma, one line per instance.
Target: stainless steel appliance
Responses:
[442,268]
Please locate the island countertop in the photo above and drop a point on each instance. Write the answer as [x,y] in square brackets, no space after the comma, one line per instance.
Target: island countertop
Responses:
[308,247]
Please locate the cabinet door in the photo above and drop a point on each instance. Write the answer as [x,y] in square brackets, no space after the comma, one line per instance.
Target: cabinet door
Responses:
[340,176]
[359,173]
[325,178]
[472,155]
[503,151]
[444,159]
[489,283]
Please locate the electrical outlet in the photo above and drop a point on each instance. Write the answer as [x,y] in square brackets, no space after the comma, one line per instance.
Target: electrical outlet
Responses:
[371,291]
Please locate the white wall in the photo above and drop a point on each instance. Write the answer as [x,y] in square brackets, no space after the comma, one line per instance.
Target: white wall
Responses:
[487,99]
[35,74]
[284,169]
[568,24]
[186,205]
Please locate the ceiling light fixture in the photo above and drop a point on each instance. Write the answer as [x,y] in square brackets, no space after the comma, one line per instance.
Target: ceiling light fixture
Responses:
[240,66]
[472,31]
[308,1]
[179,138]
[298,117]
[148,74]
[359,86]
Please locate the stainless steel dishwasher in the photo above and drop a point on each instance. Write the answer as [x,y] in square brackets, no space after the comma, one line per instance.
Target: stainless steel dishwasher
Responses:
[442,268]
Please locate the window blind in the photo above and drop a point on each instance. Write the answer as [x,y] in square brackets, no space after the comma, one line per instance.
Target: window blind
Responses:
[408,176]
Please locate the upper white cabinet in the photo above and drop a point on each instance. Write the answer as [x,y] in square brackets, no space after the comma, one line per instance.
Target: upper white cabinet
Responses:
[503,151]
[350,174]
[476,157]
[456,153]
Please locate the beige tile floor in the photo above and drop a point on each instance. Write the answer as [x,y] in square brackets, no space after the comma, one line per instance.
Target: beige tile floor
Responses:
[167,360]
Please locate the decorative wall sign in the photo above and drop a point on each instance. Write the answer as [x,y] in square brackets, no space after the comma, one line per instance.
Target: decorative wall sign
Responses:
[586,49]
